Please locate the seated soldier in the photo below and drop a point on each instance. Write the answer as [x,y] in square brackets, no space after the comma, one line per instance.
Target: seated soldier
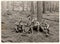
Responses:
[35,24]
[19,26]
[16,27]
[28,24]
[24,23]
[45,27]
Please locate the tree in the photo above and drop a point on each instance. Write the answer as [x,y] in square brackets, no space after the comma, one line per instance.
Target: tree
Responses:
[50,7]
[43,6]
[13,5]
[23,5]
[39,11]
[32,10]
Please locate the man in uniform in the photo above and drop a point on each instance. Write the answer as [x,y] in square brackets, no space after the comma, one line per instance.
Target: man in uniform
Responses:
[45,27]
[35,24]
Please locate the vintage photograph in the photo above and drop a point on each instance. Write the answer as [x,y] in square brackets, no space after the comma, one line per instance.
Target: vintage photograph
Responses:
[29,21]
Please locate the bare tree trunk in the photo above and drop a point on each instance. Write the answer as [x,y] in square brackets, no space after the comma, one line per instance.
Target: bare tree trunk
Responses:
[50,7]
[27,6]
[23,5]
[13,6]
[39,11]
[32,10]
[43,6]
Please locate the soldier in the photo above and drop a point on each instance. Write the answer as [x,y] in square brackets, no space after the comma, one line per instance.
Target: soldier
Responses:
[28,24]
[19,25]
[35,24]
[45,27]
[22,24]
[25,24]
[16,28]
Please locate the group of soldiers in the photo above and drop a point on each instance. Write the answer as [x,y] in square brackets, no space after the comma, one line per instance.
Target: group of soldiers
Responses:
[28,25]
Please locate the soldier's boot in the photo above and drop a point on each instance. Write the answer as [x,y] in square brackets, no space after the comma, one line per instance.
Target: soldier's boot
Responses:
[47,34]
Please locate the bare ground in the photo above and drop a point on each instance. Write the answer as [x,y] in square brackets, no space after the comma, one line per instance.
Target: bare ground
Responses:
[9,35]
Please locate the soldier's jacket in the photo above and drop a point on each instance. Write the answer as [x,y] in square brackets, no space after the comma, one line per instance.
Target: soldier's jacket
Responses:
[44,25]
[35,22]
[25,22]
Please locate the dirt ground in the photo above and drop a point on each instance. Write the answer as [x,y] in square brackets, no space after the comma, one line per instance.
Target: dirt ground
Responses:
[9,35]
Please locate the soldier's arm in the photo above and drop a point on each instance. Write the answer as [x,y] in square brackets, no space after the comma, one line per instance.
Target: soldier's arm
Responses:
[47,25]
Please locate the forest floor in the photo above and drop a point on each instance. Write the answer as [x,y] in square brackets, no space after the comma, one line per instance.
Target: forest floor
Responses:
[9,35]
